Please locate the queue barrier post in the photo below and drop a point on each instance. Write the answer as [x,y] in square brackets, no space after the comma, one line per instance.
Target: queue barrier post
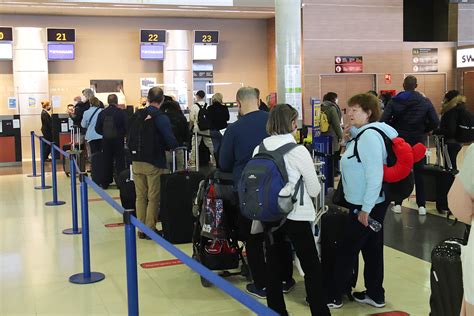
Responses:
[55,201]
[33,156]
[43,185]
[72,169]
[131,262]
[86,277]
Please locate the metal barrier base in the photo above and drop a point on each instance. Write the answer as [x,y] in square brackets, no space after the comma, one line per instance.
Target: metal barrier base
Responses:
[52,203]
[43,188]
[33,176]
[81,279]
[70,231]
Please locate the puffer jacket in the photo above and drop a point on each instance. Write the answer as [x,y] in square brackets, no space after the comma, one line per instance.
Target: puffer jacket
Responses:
[450,113]
[412,115]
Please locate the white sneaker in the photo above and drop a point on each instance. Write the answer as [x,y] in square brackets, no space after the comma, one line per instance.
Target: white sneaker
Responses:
[397,209]
[422,210]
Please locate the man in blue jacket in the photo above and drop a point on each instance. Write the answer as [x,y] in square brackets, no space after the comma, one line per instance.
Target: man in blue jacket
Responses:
[413,116]
[238,144]
[146,175]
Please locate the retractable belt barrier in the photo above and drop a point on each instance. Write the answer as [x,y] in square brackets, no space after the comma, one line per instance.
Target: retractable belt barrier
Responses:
[131,222]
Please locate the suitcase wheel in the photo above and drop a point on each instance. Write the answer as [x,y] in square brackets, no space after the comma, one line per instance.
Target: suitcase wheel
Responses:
[205,282]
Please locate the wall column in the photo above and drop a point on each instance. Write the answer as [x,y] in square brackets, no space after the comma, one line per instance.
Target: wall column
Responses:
[288,53]
[177,67]
[30,79]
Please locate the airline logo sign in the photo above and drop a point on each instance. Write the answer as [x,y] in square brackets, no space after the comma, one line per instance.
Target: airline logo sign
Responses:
[465,58]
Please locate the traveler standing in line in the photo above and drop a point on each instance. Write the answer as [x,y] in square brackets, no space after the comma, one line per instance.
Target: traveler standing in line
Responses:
[89,121]
[413,116]
[46,128]
[111,124]
[218,115]
[461,203]
[453,106]
[333,113]
[179,125]
[82,105]
[147,171]
[262,106]
[282,125]
[199,123]
[362,185]
[238,143]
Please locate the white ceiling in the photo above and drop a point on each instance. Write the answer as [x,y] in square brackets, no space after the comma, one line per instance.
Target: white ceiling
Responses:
[237,9]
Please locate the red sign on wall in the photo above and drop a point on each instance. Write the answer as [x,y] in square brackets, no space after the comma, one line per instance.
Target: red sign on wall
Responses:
[388,78]
[348,64]
[392,92]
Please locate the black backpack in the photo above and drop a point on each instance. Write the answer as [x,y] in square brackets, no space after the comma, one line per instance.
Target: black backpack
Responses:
[109,130]
[396,191]
[465,127]
[203,121]
[142,137]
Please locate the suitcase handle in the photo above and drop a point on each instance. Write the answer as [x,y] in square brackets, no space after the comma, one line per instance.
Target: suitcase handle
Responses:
[185,153]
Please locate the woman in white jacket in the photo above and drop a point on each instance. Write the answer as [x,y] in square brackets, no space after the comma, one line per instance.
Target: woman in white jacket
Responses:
[281,125]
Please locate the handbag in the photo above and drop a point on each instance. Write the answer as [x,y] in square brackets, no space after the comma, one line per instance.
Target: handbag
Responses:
[338,197]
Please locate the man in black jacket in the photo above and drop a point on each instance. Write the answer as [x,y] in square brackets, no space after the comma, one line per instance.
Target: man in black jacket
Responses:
[46,128]
[413,116]
[112,125]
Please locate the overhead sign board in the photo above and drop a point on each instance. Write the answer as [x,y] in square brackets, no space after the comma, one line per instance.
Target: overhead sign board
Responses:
[465,58]
[153,36]
[61,35]
[425,59]
[206,37]
[348,64]
[6,34]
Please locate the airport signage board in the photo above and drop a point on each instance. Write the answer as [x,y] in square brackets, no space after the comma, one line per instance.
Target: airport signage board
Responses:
[152,51]
[425,59]
[465,58]
[348,64]
[60,51]
[206,37]
[6,34]
[153,36]
[61,35]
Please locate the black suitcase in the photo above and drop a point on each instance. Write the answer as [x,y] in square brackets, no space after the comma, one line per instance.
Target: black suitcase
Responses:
[176,203]
[446,278]
[438,177]
[333,224]
[126,187]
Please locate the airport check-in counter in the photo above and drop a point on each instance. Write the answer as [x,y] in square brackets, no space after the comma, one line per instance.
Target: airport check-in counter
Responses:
[61,125]
[10,140]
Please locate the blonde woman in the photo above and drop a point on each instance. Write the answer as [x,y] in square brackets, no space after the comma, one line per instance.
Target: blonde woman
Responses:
[218,115]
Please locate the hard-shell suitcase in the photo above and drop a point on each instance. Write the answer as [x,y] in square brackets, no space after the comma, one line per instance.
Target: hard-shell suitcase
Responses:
[446,278]
[77,149]
[177,193]
[126,187]
[438,177]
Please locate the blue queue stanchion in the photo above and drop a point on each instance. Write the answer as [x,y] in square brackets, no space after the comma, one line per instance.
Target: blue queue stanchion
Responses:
[33,156]
[72,168]
[86,277]
[322,146]
[43,185]
[131,262]
[55,201]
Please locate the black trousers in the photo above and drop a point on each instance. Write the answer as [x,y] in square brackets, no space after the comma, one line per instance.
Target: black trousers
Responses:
[419,183]
[358,238]
[95,145]
[46,147]
[453,150]
[254,245]
[301,236]
[114,156]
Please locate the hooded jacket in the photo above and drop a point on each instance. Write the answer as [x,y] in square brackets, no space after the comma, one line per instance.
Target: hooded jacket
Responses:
[412,115]
[450,113]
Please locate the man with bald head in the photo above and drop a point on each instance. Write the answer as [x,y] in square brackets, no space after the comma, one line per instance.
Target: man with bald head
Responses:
[413,116]
[238,144]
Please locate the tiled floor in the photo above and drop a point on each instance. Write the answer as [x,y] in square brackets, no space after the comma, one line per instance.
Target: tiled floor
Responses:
[36,260]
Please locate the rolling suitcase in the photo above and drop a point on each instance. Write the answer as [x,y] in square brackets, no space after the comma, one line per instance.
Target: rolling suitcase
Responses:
[126,187]
[75,148]
[438,177]
[177,193]
[446,278]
